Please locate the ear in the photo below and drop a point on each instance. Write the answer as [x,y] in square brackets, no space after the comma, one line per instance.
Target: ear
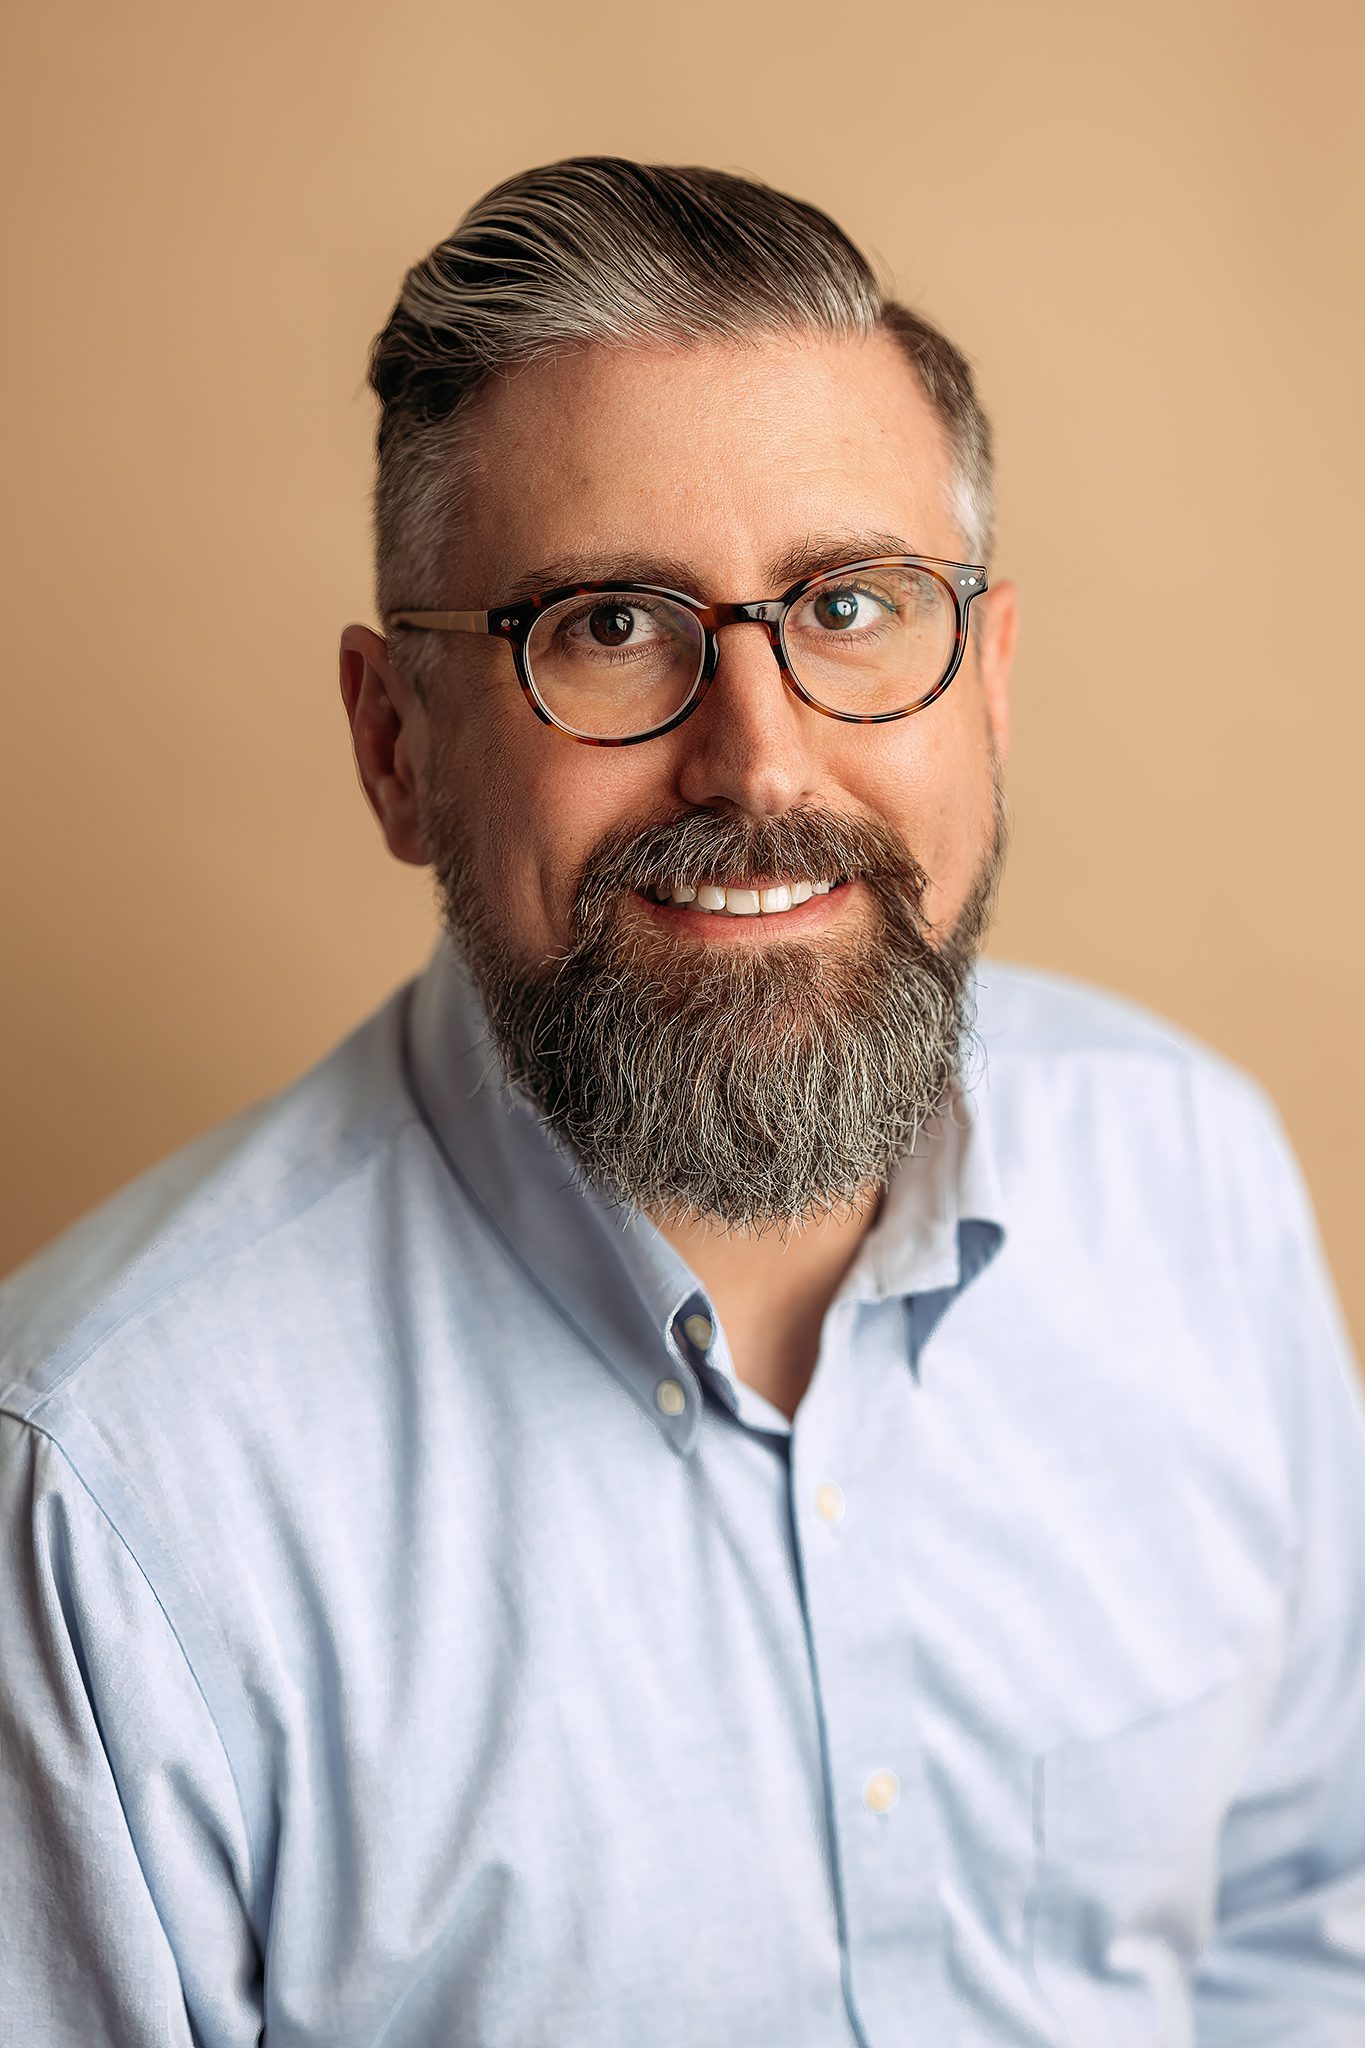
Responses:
[995,622]
[389,733]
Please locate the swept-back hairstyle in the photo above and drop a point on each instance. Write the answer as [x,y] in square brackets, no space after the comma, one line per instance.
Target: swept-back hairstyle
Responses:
[601,250]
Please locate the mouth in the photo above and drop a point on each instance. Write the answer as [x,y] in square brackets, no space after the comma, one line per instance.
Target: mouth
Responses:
[756,896]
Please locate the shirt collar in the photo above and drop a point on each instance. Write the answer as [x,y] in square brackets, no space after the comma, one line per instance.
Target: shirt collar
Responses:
[608,1271]
[948,1178]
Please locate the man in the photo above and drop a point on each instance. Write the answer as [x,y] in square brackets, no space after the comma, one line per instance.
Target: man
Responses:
[718,1472]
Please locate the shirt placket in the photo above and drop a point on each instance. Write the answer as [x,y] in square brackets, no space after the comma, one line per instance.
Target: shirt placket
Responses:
[853,1483]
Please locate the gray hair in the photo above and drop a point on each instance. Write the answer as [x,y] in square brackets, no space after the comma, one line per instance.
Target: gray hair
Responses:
[601,250]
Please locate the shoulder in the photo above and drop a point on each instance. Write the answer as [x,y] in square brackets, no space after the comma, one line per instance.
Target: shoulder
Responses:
[1124,1102]
[173,1243]
[1034,1013]
[1035,1025]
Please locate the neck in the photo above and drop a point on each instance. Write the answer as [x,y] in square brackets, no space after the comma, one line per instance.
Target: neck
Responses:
[771,1290]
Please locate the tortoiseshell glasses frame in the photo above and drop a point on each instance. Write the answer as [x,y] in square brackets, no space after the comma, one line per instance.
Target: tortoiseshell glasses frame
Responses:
[961,583]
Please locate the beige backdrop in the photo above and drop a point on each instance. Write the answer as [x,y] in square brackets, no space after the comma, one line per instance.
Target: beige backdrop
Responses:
[1144,224]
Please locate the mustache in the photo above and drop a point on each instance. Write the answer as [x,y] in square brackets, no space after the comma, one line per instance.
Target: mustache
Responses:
[804,844]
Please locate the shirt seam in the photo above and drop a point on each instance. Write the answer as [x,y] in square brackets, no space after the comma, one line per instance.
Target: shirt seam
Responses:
[402,1117]
[124,1544]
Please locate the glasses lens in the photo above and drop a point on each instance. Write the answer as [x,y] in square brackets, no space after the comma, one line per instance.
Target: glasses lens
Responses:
[873,640]
[616,663]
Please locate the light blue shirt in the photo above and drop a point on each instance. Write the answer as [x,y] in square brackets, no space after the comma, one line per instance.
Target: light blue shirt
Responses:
[413,1635]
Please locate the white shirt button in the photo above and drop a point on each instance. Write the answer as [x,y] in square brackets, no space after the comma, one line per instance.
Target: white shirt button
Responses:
[829,1502]
[670,1397]
[881,1791]
[700,1330]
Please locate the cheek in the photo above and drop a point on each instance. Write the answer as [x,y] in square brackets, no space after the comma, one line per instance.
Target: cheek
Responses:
[482,768]
[544,802]
[930,779]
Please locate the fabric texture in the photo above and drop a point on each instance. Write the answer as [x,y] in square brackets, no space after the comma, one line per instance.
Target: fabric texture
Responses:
[414,1635]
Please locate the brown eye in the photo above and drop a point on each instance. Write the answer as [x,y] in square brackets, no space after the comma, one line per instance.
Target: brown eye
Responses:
[611,625]
[837,609]
[627,627]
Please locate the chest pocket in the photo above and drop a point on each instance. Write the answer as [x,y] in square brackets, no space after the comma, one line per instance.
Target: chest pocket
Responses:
[1127,1830]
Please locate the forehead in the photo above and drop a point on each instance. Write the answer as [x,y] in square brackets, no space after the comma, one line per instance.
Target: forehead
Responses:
[723,458]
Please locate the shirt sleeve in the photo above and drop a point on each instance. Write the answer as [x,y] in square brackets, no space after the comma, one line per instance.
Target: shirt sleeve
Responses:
[1287,1962]
[122,1918]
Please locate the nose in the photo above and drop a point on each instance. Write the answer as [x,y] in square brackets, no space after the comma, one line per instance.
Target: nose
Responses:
[747,745]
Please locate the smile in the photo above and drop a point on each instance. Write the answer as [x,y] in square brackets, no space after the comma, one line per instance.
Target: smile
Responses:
[732,899]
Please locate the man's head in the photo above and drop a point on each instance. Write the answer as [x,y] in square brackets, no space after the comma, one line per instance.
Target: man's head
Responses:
[677,378]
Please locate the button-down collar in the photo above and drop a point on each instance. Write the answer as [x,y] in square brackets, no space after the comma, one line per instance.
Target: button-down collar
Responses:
[609,1271]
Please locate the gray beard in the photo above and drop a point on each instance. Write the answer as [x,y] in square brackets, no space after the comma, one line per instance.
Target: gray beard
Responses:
[756,1086]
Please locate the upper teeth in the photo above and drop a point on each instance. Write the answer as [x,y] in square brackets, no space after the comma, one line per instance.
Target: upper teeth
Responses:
[740,902]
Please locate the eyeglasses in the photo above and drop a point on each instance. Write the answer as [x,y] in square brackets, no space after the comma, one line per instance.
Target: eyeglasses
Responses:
[612,664]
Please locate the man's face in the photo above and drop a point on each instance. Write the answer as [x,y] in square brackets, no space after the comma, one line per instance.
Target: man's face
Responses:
[711,470]
[726,472]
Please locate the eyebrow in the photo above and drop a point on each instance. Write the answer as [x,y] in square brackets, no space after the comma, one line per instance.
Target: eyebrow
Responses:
[807,557]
